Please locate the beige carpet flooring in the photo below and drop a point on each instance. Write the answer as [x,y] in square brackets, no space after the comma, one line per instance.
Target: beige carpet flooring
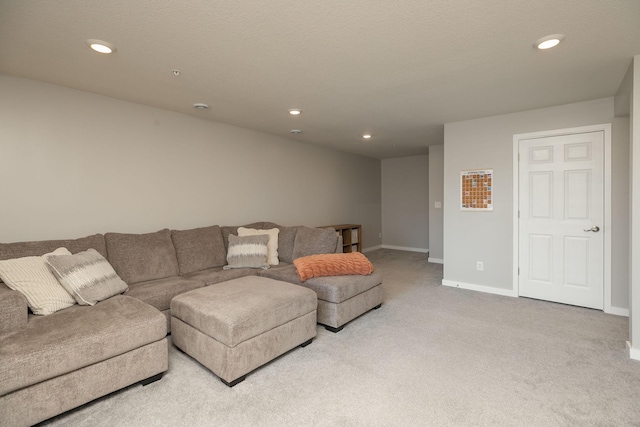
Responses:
[431,356]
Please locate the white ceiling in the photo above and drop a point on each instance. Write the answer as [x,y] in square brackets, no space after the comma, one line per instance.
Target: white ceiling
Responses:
[398,69]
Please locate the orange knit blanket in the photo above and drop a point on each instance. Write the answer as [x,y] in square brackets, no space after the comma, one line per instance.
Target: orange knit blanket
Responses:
[332,265]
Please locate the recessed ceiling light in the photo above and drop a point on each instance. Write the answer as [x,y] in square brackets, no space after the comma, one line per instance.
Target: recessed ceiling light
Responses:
[549,41]
[200,106]
[366,136]
[101,46]
[295,111]
[295,131]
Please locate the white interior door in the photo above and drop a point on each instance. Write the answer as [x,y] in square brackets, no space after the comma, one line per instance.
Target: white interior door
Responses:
[561,208]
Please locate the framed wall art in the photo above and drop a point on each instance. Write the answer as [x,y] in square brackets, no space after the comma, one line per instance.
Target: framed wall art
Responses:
[476,190]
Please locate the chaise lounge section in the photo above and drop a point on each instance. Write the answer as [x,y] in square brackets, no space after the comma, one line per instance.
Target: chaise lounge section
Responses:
[51,364]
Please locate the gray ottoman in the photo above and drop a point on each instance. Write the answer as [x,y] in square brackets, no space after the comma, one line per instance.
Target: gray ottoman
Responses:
[237,326]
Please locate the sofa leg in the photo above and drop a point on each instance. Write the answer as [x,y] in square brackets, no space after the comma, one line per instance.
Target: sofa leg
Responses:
[306,343]
[332,329]
[152,379]
[377,306]
[234,382]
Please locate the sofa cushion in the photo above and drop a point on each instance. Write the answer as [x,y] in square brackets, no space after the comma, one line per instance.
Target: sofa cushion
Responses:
[87,276]
[272,243]
[340,288]
[233,229]
[283,272]
[76,337]
[247,252]
[158,293]
[226,231]
[38,248]
[215,275]
[311,241]
[332,265]
[199,248]
[14,311]
[286,240]
[142,257]
[335,289]
[31,277]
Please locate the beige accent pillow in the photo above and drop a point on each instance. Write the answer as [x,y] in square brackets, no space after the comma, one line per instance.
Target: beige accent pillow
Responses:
[272,245]
[87,276]
[247,252]
[31,277]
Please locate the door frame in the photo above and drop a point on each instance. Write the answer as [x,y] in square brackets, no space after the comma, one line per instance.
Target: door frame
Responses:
[606,129]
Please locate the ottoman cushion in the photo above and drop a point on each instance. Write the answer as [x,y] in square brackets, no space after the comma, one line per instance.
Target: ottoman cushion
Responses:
[240,309]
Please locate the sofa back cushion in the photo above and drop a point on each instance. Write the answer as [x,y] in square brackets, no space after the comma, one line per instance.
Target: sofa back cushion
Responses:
[233,229]
[199,248]
[141,257]
[39,248]
[311,241]
[286,240]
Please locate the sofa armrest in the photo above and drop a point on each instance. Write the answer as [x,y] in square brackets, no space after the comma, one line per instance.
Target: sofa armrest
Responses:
[14,311]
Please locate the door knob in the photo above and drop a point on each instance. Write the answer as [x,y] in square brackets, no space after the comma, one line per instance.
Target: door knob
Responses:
[595,229]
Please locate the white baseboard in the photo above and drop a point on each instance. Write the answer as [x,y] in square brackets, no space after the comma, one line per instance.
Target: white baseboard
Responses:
[436,260]
[618,311]
[480,288]
[372,248]
[402,248]
[634,353]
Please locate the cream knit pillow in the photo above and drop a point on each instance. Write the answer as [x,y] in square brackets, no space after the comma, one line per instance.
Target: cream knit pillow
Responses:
[31,277]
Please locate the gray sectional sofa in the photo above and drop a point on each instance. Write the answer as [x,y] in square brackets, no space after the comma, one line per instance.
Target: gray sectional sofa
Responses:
[51,364]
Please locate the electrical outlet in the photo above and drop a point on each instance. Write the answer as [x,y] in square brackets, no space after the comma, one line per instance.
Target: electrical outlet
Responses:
[480,266]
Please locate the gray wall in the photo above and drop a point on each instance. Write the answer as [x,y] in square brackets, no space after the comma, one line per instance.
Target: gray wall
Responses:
[488,236]
[620,207]
[405,203]
[75,163]
[634,290]
[436,195]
